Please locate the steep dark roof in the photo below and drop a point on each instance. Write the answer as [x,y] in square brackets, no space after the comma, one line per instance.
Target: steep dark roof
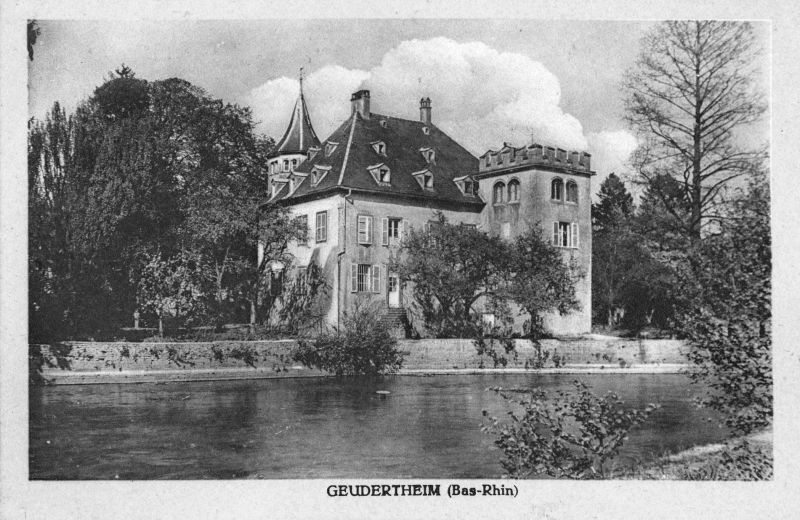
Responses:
[404,139]
[300,135]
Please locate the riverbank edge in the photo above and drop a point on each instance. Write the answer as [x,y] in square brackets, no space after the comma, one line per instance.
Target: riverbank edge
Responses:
[61,377]
[714,461]
[114,363]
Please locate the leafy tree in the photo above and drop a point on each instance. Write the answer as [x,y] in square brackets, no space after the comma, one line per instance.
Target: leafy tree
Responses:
[539,279]
[170,286]
[725,312]
[141,168]
[689,93]
[450,267]
[615,206]
[571,435]
[628,283]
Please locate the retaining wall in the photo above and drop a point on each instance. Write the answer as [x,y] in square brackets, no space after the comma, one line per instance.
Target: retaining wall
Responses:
[90,362]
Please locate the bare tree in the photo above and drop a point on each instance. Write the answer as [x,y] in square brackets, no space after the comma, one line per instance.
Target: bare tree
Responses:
[688,95]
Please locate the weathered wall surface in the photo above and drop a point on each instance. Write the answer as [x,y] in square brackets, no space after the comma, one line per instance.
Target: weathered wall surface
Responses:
[83,362]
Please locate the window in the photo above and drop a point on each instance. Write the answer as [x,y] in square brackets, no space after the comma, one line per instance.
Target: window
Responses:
[429,154]
[499,193]
[381,173]
[392,230]
[513,191]
[330,146]
[469,187]
[322,226]
[426,130]
[488,160]
[379,147]
[557,189]
[318,173]
[365,278]
[565,234]
[286,165]
[312,152]
[294,164]
[572,192]
[364,229]
[302,222]
[424,178]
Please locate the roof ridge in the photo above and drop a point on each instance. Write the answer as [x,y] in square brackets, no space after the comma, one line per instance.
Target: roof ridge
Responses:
[347,150]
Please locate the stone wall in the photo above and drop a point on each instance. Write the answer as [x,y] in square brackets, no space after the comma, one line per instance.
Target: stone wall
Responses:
[85,362]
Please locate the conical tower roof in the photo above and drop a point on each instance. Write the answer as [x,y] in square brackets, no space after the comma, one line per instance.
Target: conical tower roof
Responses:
[300,135]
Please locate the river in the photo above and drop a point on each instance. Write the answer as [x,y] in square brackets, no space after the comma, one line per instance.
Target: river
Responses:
[427,427]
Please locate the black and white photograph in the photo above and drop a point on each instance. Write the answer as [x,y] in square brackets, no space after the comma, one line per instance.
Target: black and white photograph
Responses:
[462,261]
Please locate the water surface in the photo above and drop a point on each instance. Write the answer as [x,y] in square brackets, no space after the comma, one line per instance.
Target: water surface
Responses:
[428,427]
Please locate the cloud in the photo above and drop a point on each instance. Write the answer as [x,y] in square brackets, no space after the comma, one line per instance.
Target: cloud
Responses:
[481,97]
[610,151]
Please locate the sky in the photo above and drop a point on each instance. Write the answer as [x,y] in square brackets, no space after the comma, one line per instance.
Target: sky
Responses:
[490,81]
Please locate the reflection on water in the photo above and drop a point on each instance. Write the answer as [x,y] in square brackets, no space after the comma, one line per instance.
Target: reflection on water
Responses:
[318,428]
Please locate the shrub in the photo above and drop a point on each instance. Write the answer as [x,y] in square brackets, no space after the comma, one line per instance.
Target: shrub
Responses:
[360,347]
[569,435]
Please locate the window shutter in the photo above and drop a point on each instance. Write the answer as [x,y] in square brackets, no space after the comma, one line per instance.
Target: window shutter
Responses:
[385,231]
[404,229]
[376,278]
[369,230]
[555,234]
[574,235]
[353,277]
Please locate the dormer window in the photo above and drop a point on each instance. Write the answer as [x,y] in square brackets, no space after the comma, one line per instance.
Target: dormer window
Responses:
[379,147]
[330,146]
[318,173]
[424,178]
[312,152]
[286,165]
[384,123]
[381,173]
[429,154]
[488,160]
[426,130]
[467,185]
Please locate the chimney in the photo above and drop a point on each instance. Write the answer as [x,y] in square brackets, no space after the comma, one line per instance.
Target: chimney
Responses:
[425,111]
[360,103]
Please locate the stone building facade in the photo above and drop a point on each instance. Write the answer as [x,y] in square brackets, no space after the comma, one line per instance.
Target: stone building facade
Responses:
[376,176]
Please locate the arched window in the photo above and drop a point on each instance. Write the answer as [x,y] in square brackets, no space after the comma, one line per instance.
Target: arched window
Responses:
[294,164]
[499,192]
[286,165]
[513,191]
[572,192]
[557,189]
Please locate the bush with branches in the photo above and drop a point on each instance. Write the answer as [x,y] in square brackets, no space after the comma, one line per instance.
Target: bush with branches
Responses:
[572,435]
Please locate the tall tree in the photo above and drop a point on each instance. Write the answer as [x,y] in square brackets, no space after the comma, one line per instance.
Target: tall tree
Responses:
[615,204]
[689,93]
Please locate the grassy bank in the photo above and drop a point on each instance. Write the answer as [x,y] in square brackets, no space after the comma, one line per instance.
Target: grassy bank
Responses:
[747,458]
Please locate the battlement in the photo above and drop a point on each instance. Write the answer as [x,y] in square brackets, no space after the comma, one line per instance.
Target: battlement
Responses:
[534,154]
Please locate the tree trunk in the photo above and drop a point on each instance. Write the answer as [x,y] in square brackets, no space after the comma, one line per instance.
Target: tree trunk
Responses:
[160,326]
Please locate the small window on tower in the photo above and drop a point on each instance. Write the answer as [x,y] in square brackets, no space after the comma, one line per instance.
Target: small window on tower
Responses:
[330,146]
[384,175]
[286,165]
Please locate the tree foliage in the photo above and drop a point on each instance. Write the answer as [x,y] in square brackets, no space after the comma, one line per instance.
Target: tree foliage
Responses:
[571,435]
[451,268]
[630,286]
[725,313]
[142,170]
[690,92]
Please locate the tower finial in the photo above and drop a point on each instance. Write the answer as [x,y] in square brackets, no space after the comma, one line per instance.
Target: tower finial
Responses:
[301,79]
